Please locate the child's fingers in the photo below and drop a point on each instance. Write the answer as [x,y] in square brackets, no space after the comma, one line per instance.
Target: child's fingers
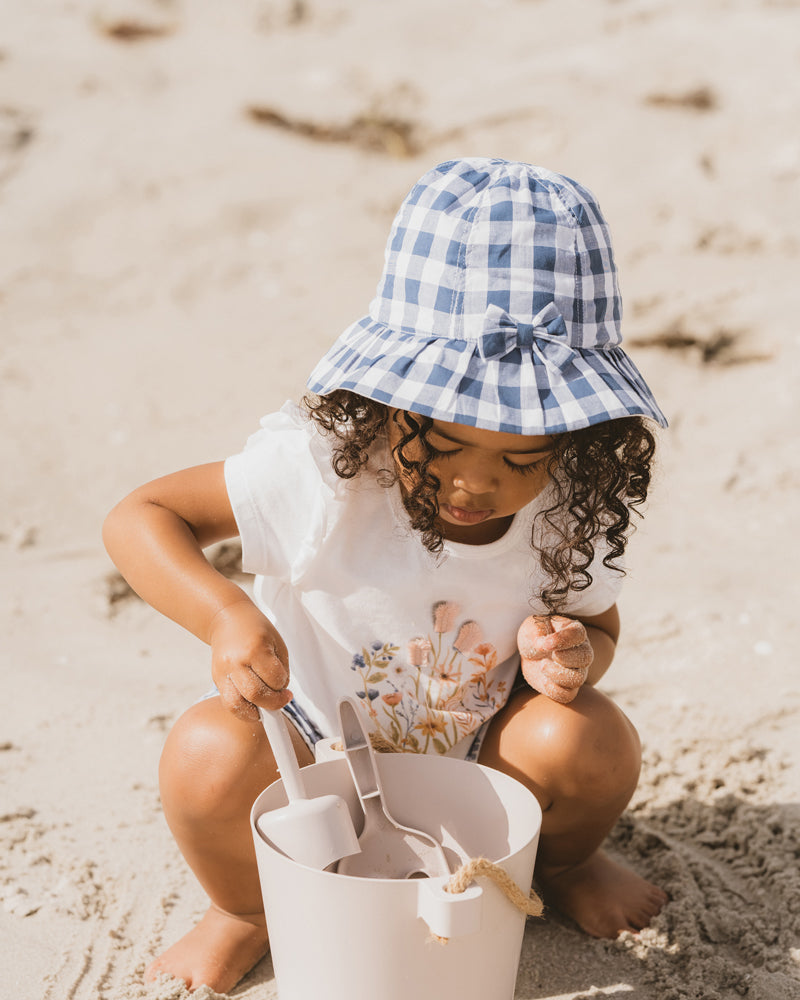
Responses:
[530,635]
[269,667]
[542,634]
[557,683]
[569,631]
[565,677]
[536,626]
[575,657]
[243,690]
[253,687]
[234,701]
[251,675]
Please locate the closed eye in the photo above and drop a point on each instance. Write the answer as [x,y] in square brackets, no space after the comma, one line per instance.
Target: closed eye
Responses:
[524,469]
[438,453]
[527,469]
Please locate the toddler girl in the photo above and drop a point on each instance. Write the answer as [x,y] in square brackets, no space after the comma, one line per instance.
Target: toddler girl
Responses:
[438,530]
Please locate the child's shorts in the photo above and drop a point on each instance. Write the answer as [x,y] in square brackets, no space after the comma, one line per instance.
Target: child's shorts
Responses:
[312,736]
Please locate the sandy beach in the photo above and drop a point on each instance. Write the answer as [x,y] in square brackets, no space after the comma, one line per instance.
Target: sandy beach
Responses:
[194,199]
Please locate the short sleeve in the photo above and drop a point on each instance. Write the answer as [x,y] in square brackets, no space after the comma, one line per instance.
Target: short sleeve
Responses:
[280,492]
[600,595]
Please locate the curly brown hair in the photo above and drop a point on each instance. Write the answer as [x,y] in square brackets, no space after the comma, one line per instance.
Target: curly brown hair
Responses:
[600,475]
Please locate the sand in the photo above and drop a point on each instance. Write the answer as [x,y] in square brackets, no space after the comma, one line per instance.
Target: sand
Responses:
[194,199]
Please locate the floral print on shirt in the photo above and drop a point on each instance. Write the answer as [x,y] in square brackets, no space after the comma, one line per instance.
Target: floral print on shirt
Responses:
[437,689]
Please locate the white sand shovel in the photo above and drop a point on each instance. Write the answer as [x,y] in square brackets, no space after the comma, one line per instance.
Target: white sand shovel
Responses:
[311,831]
[387,849]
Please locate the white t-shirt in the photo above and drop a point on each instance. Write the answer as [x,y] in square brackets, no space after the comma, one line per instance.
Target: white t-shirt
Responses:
[427,643]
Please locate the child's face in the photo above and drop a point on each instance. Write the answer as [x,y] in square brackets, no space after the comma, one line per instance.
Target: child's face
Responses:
[486,476]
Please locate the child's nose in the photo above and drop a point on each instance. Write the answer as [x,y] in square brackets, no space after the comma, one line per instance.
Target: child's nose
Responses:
[475,476]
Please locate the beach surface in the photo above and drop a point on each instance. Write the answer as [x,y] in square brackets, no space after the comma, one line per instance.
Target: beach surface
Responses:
[194,200]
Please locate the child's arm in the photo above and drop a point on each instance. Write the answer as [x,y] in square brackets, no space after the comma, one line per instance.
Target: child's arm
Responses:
[560,654]
[156,537]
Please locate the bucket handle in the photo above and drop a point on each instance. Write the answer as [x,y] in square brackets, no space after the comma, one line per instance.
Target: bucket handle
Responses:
[449,914]
[438,899]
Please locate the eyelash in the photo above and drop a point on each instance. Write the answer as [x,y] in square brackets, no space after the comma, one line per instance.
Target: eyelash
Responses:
[523,470]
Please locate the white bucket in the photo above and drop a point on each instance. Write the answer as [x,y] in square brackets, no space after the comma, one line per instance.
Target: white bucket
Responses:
[345,938]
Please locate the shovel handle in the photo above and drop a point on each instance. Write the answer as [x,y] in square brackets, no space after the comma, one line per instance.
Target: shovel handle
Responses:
[359,753]
[283,752]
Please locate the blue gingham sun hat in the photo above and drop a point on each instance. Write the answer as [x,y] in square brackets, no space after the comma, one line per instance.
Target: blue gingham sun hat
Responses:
[498,307]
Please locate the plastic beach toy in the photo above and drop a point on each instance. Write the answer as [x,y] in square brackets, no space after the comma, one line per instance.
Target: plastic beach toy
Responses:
[388,849]
[346,938]
[315,831]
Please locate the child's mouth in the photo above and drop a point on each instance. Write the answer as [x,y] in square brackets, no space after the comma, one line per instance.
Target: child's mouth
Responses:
[464,516]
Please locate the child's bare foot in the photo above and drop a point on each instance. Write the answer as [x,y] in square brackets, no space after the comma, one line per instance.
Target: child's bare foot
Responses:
[218,952]
[601,896]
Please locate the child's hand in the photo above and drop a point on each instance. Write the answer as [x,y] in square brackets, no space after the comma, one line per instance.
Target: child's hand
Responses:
[556,655]
[249,660]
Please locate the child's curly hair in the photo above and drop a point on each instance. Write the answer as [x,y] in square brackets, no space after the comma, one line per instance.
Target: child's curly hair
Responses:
[600,475]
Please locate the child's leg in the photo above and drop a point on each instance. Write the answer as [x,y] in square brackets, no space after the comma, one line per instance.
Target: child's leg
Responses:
[582,762]
[213,767]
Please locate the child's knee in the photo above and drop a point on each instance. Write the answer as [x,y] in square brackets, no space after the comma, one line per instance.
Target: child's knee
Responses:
[205,761]
[588,749]
[604,748]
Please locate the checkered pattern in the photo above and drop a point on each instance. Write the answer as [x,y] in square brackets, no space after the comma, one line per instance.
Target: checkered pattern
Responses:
[498,307]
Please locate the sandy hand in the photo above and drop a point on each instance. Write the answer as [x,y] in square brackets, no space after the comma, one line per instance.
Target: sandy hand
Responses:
[249,660]
[556,655]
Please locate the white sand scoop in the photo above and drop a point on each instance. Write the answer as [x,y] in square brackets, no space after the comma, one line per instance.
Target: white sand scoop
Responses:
[311,831]
[388,850]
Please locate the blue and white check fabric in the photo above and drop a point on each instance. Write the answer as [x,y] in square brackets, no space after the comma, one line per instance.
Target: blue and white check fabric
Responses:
[498,307]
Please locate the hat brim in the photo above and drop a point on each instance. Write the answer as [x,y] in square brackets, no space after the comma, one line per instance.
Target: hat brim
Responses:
[449,380]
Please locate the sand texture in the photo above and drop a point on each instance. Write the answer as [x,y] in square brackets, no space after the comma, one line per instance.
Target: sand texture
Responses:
[194,199]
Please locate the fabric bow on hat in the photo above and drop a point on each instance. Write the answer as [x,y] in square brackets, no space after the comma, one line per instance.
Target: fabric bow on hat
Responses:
[544,336]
